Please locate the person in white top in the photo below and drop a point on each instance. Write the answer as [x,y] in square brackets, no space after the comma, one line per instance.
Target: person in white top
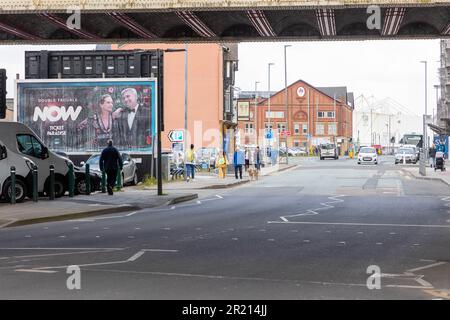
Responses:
[247,158]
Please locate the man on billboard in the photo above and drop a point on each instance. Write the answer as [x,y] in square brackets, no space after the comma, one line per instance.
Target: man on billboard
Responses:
[133,122]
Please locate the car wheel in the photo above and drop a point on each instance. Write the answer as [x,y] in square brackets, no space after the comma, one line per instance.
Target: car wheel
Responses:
[59,188]
[376,162]
[321,158]
[21,191]
[135,179]
[359,162]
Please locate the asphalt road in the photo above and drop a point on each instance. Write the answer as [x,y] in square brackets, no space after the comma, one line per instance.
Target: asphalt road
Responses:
[305,233]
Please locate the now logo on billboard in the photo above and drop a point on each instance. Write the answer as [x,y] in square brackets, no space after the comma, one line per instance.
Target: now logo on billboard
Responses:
[55,113]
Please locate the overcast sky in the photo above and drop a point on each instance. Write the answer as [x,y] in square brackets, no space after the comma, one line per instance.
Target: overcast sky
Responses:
[379,68]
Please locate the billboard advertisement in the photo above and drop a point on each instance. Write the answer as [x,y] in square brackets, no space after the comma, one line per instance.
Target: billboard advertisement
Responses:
[81,115]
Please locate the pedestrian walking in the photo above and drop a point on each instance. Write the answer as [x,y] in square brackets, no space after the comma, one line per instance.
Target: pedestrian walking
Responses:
[432,155]
[247,159]
[257,158]
[111,162]
[238,160]
[222,164]
[190,163]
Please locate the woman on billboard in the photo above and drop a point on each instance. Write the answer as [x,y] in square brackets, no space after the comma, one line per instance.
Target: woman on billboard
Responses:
[101,124]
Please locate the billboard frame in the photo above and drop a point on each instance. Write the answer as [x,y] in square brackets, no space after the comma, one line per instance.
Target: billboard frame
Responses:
[154,110]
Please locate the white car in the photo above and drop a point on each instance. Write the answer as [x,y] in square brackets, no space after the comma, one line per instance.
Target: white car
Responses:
[409,154]
[368,155]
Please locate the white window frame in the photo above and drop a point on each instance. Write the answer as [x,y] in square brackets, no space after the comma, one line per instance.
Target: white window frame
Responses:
[248,128]
[304,128]
[297,128]
[281,126]
[322,126]
[332,125]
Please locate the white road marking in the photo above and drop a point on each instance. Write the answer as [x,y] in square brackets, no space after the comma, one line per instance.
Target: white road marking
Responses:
[59,254]
[270,239]
[342,242]
[423,282]
[427,266]
[392,233]
[306,241]
[199,202]
[62,236]
[136,256]
[325,206]
[363,224]
[27,236]
[132,213]
[235,239]
[76,228]
[407,287]
[68,248]
[34,270]
[137,228]
[131,259]
[379,243]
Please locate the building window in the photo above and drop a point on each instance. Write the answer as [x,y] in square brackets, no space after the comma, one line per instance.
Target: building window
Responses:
[275,114]
[305,128]
[296,143]
[266,126]
[325,114]
[320,128]
[227,100]
[228,69]
[281,126]
[249,128]
[296,128]
[332,128]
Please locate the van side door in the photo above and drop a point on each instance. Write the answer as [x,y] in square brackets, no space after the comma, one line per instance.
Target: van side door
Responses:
[4,170]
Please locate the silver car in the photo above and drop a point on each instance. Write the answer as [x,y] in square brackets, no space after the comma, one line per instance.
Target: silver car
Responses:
[129,172]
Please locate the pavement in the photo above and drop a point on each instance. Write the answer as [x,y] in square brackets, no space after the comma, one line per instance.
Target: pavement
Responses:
[127,200]
[312,232]
[431,174]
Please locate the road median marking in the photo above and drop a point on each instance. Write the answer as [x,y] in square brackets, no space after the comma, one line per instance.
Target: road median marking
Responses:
[362,224]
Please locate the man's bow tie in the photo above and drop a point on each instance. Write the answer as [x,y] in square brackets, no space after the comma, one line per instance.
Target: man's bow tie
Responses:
[131,110]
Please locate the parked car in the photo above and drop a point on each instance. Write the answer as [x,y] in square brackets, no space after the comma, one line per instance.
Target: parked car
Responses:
[328,150]
[368,155]
[61,153]
[407,153]
[129,172]
[415,148]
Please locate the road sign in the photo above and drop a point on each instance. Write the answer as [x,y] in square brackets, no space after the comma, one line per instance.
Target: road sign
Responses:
[176,135]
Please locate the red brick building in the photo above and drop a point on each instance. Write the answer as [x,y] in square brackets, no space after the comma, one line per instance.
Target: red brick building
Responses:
[313,116]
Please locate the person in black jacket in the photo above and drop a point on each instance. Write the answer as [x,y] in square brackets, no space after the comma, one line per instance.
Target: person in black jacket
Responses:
[111,162]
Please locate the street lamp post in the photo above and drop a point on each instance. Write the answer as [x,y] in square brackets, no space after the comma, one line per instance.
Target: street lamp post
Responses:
[286,100]
[160,116]
[437,104]
[268,88]
[422,169]
[256,111]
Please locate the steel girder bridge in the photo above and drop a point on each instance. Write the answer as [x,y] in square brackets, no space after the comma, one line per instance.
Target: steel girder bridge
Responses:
[119,21]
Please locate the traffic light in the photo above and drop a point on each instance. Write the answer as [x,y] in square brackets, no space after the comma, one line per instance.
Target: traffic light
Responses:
[2,93]
[393,140]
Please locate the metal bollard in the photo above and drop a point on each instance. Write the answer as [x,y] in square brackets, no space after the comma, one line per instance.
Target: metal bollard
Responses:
[103,181]
[13,185]
[119,180]
[88,179]
[35,183]
[71,181]
[52,182]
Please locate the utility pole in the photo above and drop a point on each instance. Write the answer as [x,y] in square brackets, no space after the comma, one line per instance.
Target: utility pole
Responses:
[371,128]
[256,112]
[286,101]
[185,106]
[335,123]
[268,104]
[308,128]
